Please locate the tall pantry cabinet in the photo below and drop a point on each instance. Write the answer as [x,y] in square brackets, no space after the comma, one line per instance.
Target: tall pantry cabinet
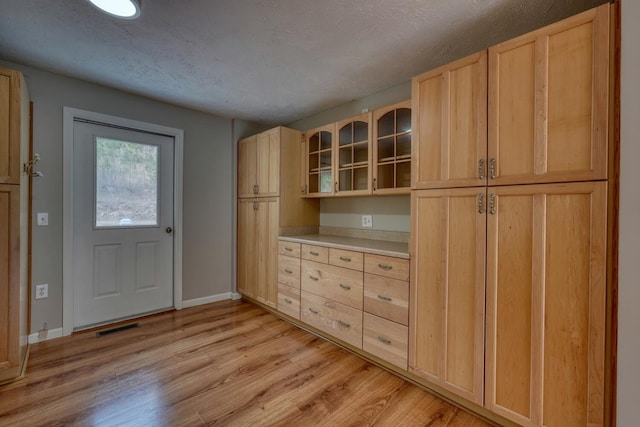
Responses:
[270,203]
[518,224]
[14,194]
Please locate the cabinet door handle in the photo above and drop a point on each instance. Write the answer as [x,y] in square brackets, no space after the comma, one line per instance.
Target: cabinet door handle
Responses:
[313,311]
[336,186]
[345,324]
[492,204]
[481,169]
[385,266]
[255,206]
[313,278]
[288,301]
[492,168]
[255,188]
[286,270]
[345,287]
[384,298]
[384,340]
[288,249]
[375,184]
[314,253]
[481,203]
[345,259]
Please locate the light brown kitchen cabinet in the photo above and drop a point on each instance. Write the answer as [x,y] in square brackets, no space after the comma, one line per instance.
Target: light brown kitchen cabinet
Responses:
[14,220]
[259,163]
[549,103]
[258,248]
[319,144]
[546,303]
[272,206]
[392,149]
[446,318]
[353,156]
[449,106]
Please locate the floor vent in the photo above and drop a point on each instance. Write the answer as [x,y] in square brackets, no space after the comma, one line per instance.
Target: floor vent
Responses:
[118,329]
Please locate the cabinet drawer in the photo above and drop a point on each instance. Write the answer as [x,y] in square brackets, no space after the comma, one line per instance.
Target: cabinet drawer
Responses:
[396,268]
[347,259]
[289,248]
[289,300]
[315,253]
[385,339]
[337,283]
[289,271]
[388,298]
[339,320]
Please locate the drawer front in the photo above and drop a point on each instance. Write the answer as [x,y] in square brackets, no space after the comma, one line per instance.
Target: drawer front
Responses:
[385,339]
[341,321]
[346,259]
[388,298]
[289,271]
[289,248]
[315,253]
[396,268]
[289,300]
[336,283]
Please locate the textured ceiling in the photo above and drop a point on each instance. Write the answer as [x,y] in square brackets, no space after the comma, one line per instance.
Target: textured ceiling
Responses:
[270,61]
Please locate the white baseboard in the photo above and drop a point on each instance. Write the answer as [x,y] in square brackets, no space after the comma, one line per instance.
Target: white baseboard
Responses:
[48,335]
[209,299]
[236,296]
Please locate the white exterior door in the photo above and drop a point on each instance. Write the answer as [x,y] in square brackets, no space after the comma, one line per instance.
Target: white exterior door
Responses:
[122,223]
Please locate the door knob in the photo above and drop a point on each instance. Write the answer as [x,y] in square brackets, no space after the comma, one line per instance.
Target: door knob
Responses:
[169,230]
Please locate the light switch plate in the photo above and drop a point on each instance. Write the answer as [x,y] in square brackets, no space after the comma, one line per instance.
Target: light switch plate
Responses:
[42,291]
[43,218]
[367,221]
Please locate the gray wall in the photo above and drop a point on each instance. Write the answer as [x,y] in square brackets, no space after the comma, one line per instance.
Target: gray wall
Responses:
[629,267]
[389,213]
[208,184]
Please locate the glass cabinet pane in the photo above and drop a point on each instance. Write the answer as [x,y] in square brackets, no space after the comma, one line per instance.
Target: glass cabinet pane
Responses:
[360,131]
[313,162]
[345,136]
[346,157]
[325,160]
[386,124]
[403,174]
[403,146]
[360,178]
[385,150]
[325,140]
[385,176]
[361,154]
[345,180]
[314,142]
[403,120]
[313,183]
[325,182]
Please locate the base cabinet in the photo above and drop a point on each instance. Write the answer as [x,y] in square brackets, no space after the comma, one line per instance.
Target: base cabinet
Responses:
[546,302]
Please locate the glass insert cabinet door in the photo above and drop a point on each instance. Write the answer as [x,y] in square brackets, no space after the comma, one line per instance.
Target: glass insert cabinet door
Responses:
[353,158]
[320,142]
[392,150]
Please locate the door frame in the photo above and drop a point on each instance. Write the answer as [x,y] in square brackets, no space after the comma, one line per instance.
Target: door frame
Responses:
[69,116]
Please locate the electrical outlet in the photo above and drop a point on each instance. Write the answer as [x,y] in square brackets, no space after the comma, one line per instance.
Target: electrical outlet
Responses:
[42,291]
[367,221]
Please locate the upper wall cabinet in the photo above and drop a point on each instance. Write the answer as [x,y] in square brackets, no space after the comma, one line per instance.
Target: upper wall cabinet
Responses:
[10,125]
[319,161]
[353,156]
[450,124]
[549,103]
[259,165]
[392,150]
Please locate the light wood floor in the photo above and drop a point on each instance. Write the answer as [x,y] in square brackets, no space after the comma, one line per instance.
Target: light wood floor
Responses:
[227,363]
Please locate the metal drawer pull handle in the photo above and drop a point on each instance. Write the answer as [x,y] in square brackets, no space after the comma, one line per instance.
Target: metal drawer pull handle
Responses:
[288,249]
[288,301]
[345,259]
[314,253]
[383,298]
[345,324]
[481,169]
[313,278]
[343,286]
[286,270]
[492,168]
[313,311]
[384,340]
[385,266]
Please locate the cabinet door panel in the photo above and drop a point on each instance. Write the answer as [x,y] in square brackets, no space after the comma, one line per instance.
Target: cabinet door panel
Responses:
[546,303]
[449,107]
[247,247]
[549,102]
[10,121]
[247,173]
[266,239]
[447,289]
[268,163]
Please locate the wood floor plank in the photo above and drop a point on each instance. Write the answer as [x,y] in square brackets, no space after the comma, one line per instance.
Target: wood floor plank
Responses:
[229,363]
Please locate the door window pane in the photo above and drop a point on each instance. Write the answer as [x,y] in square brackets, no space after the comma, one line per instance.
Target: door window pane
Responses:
[126,184]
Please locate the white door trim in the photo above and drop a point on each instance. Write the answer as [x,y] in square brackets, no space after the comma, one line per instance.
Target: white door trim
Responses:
[69,115]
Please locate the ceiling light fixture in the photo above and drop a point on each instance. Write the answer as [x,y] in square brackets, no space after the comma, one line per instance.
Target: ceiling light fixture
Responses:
[127,9]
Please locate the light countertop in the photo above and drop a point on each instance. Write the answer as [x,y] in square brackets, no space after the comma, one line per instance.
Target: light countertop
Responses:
[376,247]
